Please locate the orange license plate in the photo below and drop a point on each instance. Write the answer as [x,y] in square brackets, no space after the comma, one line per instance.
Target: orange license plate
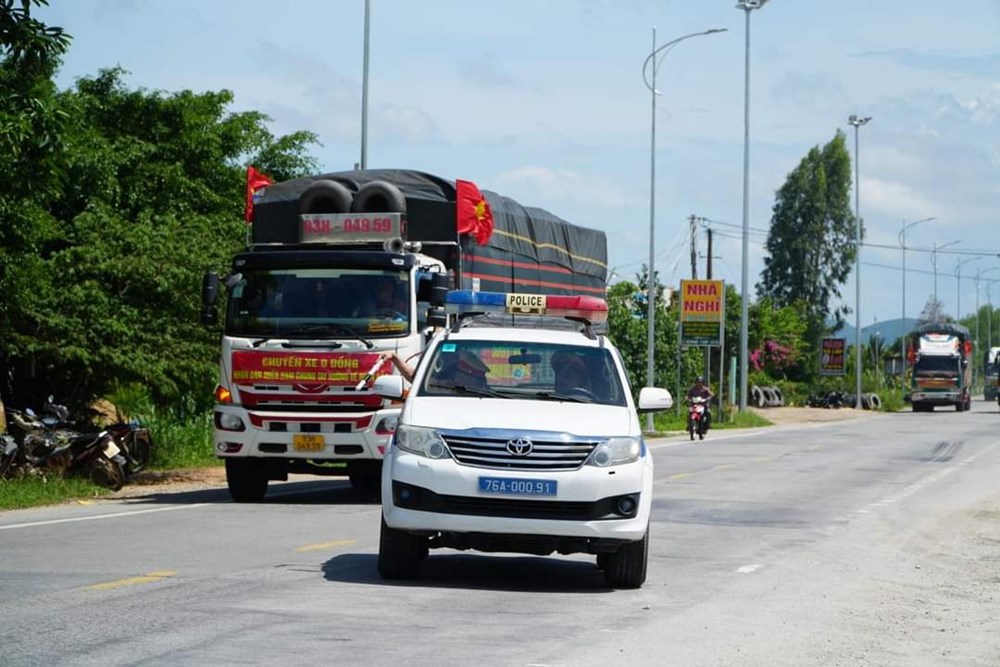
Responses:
[302,442]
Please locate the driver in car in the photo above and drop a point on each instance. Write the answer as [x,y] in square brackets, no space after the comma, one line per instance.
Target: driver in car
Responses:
[571,374]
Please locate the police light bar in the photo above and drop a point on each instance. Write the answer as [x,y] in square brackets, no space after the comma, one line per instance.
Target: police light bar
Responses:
[587,308]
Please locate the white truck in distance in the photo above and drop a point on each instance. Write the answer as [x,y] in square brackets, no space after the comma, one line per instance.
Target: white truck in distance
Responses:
[519,439]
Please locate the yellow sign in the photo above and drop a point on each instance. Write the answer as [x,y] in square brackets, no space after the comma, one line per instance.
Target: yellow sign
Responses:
[703,310]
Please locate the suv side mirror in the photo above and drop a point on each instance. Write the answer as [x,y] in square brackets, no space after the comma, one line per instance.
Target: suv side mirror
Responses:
[652,399]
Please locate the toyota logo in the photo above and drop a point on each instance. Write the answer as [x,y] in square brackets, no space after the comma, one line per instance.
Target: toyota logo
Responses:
[519,446]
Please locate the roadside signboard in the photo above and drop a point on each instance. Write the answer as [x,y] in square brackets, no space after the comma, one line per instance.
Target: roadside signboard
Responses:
[703,310]
[832,356]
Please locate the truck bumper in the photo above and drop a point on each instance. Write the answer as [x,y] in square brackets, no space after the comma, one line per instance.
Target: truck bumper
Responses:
[337,437]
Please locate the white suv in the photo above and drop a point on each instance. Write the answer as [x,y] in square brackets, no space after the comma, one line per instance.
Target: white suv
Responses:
[519,439]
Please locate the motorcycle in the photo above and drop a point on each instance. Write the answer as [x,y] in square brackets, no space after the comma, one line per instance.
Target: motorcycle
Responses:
[697,422]
[45,443]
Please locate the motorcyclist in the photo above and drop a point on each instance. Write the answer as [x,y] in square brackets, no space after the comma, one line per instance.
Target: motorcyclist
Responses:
[701,390]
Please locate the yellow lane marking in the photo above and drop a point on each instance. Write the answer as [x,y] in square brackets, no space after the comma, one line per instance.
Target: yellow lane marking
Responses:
[84,502]
[325,545]
[144,579]
[762,459]
[680,475]
[724,466]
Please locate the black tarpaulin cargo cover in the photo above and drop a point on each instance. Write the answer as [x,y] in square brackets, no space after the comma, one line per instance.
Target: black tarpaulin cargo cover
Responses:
[526,232]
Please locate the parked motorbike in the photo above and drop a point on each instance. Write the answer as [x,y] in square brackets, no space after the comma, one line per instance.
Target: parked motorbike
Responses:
[136,443]
[697,422]
[46,443]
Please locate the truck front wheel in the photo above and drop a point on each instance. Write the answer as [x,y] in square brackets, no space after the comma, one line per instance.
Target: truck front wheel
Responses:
[247,479]
[399,553]
[626,568]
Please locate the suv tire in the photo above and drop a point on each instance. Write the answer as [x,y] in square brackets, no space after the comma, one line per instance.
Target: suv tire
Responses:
[626,568]
[399,553]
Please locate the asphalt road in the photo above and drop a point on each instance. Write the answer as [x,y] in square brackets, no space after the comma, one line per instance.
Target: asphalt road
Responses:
[863,542]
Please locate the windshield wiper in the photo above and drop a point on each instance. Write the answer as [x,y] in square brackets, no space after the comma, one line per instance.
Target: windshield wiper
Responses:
[463,389]
[329,328]
[556,396]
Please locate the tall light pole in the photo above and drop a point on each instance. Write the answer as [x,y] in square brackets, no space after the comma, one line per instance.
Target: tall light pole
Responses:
[958,277]
[934,262]
[747,6]
[650,283]
[364,94]
[902,244]
[857,122]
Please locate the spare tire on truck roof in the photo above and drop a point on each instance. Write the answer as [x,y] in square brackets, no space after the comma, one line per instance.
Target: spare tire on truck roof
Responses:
[379,197]
[325,196]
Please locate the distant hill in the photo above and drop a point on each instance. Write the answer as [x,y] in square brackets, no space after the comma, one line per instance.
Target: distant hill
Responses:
[889,331]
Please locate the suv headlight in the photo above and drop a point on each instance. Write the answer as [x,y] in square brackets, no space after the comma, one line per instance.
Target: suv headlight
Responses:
[421,441]
[615,451]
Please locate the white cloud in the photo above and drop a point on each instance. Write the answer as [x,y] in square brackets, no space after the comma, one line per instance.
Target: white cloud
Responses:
[543,183]
[894,200]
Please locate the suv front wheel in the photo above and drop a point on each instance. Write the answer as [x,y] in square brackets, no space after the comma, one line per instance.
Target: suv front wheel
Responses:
[399,553]
[626,568]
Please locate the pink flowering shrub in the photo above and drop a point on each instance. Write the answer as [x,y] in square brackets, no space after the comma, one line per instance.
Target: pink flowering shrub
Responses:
[772,357]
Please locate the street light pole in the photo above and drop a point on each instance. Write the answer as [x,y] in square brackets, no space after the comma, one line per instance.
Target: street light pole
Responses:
[650,283]
[902,244]
[857,122]
[958,276]
[747,6]
[934,263]
[364,93]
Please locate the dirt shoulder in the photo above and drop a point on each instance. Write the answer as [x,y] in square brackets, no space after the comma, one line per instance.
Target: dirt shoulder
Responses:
[795,415]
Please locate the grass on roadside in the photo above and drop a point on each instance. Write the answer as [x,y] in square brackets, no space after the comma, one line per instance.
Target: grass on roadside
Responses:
[670,420]
[33,491]
[181,444]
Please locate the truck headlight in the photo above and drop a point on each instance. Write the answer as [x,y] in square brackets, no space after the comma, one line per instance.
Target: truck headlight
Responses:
[615,451]
[422,442]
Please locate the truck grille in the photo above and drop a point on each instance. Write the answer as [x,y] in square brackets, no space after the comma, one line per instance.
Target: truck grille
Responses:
[544,455]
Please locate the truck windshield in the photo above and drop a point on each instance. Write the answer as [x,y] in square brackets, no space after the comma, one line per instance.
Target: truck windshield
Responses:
[296,303]
[527,371]
[932,365]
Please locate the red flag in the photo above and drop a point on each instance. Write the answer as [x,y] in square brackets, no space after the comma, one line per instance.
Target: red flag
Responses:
[256,181]
[472,213]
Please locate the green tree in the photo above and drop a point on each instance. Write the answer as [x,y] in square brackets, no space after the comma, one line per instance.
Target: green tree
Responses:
[30,147]
[628,319]
[811,244]
[151,197]
[933,312]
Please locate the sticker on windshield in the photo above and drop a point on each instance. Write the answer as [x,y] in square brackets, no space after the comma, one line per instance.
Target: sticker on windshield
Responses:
[448,347]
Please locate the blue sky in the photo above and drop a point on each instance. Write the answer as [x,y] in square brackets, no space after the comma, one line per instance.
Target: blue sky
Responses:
[544,101]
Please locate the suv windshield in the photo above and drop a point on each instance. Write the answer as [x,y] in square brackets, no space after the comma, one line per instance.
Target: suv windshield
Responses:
[528,371]
[299,303]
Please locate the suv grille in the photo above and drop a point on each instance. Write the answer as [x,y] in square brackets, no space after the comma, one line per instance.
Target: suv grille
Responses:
[545,454]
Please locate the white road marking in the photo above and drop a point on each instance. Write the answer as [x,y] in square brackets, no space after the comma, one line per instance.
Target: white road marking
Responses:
[96,517]
[747,569]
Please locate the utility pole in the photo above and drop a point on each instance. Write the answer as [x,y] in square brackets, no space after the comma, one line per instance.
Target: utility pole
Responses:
[708,260]
[693,220]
